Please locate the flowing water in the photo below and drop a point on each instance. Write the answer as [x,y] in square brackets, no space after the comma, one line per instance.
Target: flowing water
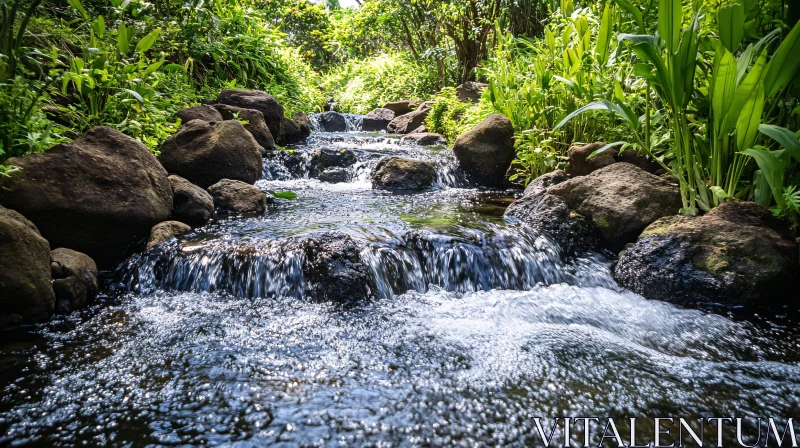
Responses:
[478,325]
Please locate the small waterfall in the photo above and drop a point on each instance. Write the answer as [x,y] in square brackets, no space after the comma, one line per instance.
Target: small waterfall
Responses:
[286,165]
[353,122]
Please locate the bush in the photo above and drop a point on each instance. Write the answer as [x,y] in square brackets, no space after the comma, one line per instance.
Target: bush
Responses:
[452,117]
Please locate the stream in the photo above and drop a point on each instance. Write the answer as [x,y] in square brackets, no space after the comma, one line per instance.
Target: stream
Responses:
[478,325]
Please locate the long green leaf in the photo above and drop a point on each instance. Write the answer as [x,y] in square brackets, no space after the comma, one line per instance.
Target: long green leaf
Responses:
[601,49]
[635,12]
[670,17]
[599,105]
[743,93]
[148,41]
[784,137]
[731,26]
[784,63]
[763,192]
[79,7]
[123,43]
[724,86]
[772,168]
[750,119]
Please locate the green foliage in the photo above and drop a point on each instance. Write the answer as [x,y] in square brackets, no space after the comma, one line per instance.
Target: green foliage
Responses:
[452,117]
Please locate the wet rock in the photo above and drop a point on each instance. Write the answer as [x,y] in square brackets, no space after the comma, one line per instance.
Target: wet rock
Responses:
[256,125]
[333,122]
[404,124]
[165,231]
[335,175]
[232,196]
[470,91]
[545,181]
[424,139]
[74,279]
[203,112]
[620,200]
[377,120]
[402,107]
[190,203]
[485,153]
[400,174]
[333,269]
[552,216]
[303,122]
[325,158]
[290,132]
[99,194]
[737,254]
[26,294]
[581,165]
[260,101]
[205,153]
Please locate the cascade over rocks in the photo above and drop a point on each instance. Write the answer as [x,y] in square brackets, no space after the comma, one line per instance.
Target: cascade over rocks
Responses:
[737,254]
[333,269]
[258,100]
[165,231]
[400,174]
[406,123]
[377,120]
[26,294]
[402,107]
[552,216]
[232,196]
[335,175]
[256,125]
[485,153]
[333,122]
[190,203]
[203,112]
[424,139]
[620,200]
[74,279]
[205,153]
[98,195]
[324,158]
[470,91]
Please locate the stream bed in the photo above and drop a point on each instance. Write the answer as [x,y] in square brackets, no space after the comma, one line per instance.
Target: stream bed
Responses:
[478,325]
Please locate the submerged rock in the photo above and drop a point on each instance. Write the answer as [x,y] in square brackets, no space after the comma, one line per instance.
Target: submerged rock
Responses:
[205,153]
[485,153]
[470,91]
[256,125]
[165,231]
[325,158]
[620,200]
[260,101]
[402,107]
[26,294]
[190,203]
[737,254]
[335,175]
[406,123]
[232,196]
[75,280]
[424,139]
[333,269]
[333,122]
[552,216]
[203,112]
[99,194]
[400,174]
[377,120]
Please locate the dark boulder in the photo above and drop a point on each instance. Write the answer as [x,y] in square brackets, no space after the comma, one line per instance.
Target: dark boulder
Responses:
[580,164]
[620,200]
[166,231]
[232,196]
[639,159]
[402,107]
[203,112]
[74,279]
[290,132]
[256,125]
[486,151]
[333,122]
[26,294]
[420,130]
[260,101]
[190,203]
[424,139]
[399,174]
[303,122]
[737,254]
[470,91]
[333,270]
[377,120]
[404,124]
[205,153]
[335,175]
[325,158]
[98,195]
[545,181]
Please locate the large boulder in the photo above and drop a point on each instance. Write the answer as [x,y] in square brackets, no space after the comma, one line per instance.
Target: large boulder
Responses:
[75,280]
[402,107]
[552,216]
[545,181]
[232,196]
[166,231]
[737,254]
[290,132]
[486,151]
[620,200]
[333,122]
[377,120]
[424,139]
[580,164]
[98,195]
[203,112]
[205,153]
[303,122]
[190,204]
[404,124]
[470,91]
[26,293]
[333,270]
[399,174]
[256,125]
[324,158]
[260,101]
